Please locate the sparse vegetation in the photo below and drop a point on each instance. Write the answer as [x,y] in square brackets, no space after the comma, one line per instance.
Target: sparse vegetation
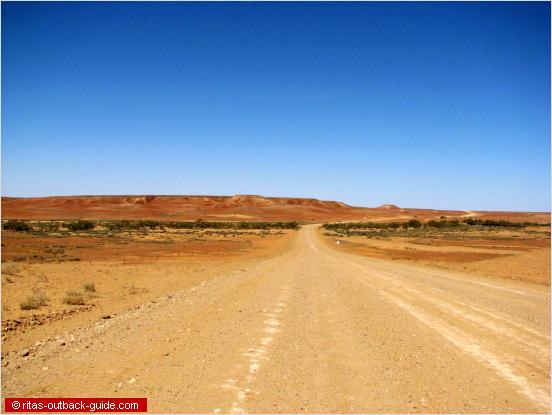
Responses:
[408,227]
[11,269]
[89,287]
[442,224]
[140,225]
[134,290]
[413,223]
[501,223]
[81,225]
[74,298]
[34,301]
[17,226]
[198,224]
[47,226]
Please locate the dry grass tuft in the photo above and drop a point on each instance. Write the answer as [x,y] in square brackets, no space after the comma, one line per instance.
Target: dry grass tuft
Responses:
[74,298]
[11,269]
[34,301]
[89,287]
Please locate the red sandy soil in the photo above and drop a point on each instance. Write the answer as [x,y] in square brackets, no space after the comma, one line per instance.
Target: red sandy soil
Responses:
[231,208]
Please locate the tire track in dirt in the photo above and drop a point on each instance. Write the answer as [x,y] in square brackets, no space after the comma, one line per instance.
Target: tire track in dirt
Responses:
[490,302]
[471,345]
[397,291]
[242,384]
[530,344]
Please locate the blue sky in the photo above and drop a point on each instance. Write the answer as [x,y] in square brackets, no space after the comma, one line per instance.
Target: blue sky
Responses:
[438,105]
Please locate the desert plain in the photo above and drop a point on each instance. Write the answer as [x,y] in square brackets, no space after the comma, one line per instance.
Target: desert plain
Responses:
[270,305]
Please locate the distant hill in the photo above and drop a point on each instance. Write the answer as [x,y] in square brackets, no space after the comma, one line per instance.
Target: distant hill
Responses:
[230,208]
[389,207]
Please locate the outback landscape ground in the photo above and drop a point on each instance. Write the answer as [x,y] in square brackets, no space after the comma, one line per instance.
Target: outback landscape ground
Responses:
[223,305]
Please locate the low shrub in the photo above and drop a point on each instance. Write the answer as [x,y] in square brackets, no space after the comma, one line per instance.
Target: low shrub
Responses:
[198,224]
[17,225]
[89,287]
[74,298]
[47,226]
[442,223]
[81,225]
[34,301]
[413,223]
[11,269]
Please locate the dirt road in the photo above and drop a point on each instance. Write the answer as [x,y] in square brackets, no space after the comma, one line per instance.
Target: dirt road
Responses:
[312,330]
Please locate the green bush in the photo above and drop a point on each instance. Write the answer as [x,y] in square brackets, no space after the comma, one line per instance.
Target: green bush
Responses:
[81,225]
[47,226]
[442,223]
[495,223]
[17,225]
[355,228]
[412,223]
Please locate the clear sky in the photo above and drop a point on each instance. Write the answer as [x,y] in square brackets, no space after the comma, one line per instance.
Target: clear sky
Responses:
[438,105]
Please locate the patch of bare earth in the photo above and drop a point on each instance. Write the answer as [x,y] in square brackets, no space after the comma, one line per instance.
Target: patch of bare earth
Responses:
[126,270]
[517,254]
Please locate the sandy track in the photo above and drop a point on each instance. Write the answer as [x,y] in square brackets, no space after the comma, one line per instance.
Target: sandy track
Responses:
[313,330]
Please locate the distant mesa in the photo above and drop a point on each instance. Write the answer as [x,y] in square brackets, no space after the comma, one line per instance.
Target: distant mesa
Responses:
[178,207]
[246,201]
[388,207]
[215,208]
[140,200]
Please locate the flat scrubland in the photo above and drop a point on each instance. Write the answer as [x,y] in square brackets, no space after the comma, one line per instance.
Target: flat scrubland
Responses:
[496,248]
[59,275]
